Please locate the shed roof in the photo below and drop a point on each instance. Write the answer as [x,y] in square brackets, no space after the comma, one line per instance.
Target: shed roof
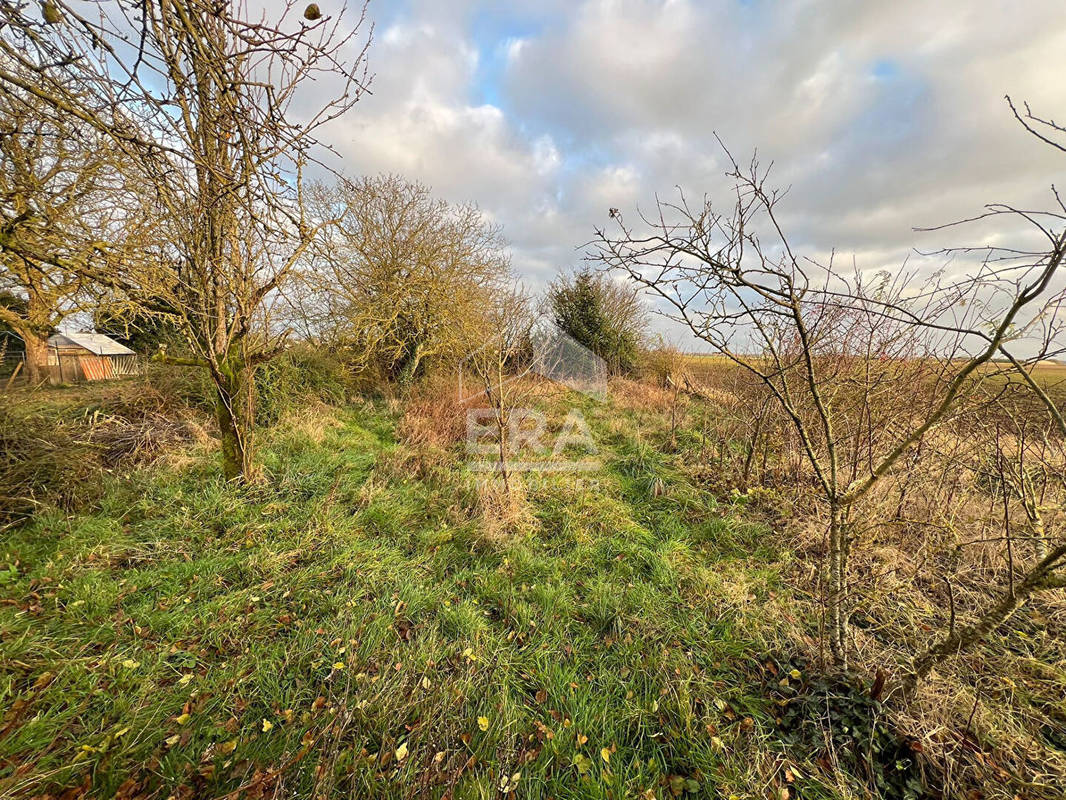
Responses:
[95,343]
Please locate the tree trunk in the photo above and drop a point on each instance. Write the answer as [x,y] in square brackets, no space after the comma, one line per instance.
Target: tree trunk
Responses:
[234,411]
[838,586]
[409,372]
[503,454]
[36,357]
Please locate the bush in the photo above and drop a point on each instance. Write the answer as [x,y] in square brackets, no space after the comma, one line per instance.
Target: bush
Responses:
[840,724]
[604,316]
[663,363]
[297,377]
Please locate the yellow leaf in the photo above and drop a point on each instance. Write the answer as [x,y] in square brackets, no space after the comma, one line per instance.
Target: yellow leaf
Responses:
[795,674]
[181,719]
[173,740]
[227,747]
[426,682]
[338,665]
[401,752]
[717,743]
[184,681]
[483,723]
[581,739]
[267,725]
[129,663]
[605,754]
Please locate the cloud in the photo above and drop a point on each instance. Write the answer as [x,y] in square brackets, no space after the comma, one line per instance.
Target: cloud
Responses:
[880,117]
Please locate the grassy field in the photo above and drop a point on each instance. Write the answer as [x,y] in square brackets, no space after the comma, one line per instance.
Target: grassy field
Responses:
[346,628]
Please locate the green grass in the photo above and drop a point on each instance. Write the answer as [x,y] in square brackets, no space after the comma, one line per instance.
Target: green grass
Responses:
[191,637]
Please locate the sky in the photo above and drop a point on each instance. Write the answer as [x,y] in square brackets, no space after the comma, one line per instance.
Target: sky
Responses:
[879,117]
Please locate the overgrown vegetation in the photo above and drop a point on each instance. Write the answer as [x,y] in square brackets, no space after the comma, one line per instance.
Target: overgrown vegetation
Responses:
[366,619]
[602,314]
[825,561]
[345,628]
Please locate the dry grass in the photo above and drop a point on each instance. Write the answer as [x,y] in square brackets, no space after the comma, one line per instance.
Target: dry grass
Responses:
[504,515]
[928,544]
[434,415]
[314,420]
[631,395]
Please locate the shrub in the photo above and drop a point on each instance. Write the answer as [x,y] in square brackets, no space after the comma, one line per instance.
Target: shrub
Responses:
[840,724]
[663,363]
[298,376]
[604,316]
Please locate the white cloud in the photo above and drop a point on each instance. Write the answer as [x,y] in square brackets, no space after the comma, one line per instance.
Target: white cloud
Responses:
[881,117]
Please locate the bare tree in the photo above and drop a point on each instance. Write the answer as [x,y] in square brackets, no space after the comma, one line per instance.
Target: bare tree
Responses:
[498,364]
[405,278]
[211,109]
[824,344]
[1024,474]
[60,197]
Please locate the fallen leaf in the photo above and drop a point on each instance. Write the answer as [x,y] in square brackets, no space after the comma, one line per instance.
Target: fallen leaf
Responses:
[267,725]
[181,719]
[605,754]
[401,752]
[483,723]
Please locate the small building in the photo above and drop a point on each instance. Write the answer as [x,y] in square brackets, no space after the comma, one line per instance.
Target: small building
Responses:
[89,357]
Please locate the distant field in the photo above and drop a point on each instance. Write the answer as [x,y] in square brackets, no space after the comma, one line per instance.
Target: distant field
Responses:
[710,368]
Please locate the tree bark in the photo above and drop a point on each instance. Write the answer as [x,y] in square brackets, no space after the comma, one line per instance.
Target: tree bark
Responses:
[1039,577]
[838,586]
[36,356]
[234,412]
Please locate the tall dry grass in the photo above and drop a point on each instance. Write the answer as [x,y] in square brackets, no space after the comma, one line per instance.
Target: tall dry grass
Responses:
[941,538]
